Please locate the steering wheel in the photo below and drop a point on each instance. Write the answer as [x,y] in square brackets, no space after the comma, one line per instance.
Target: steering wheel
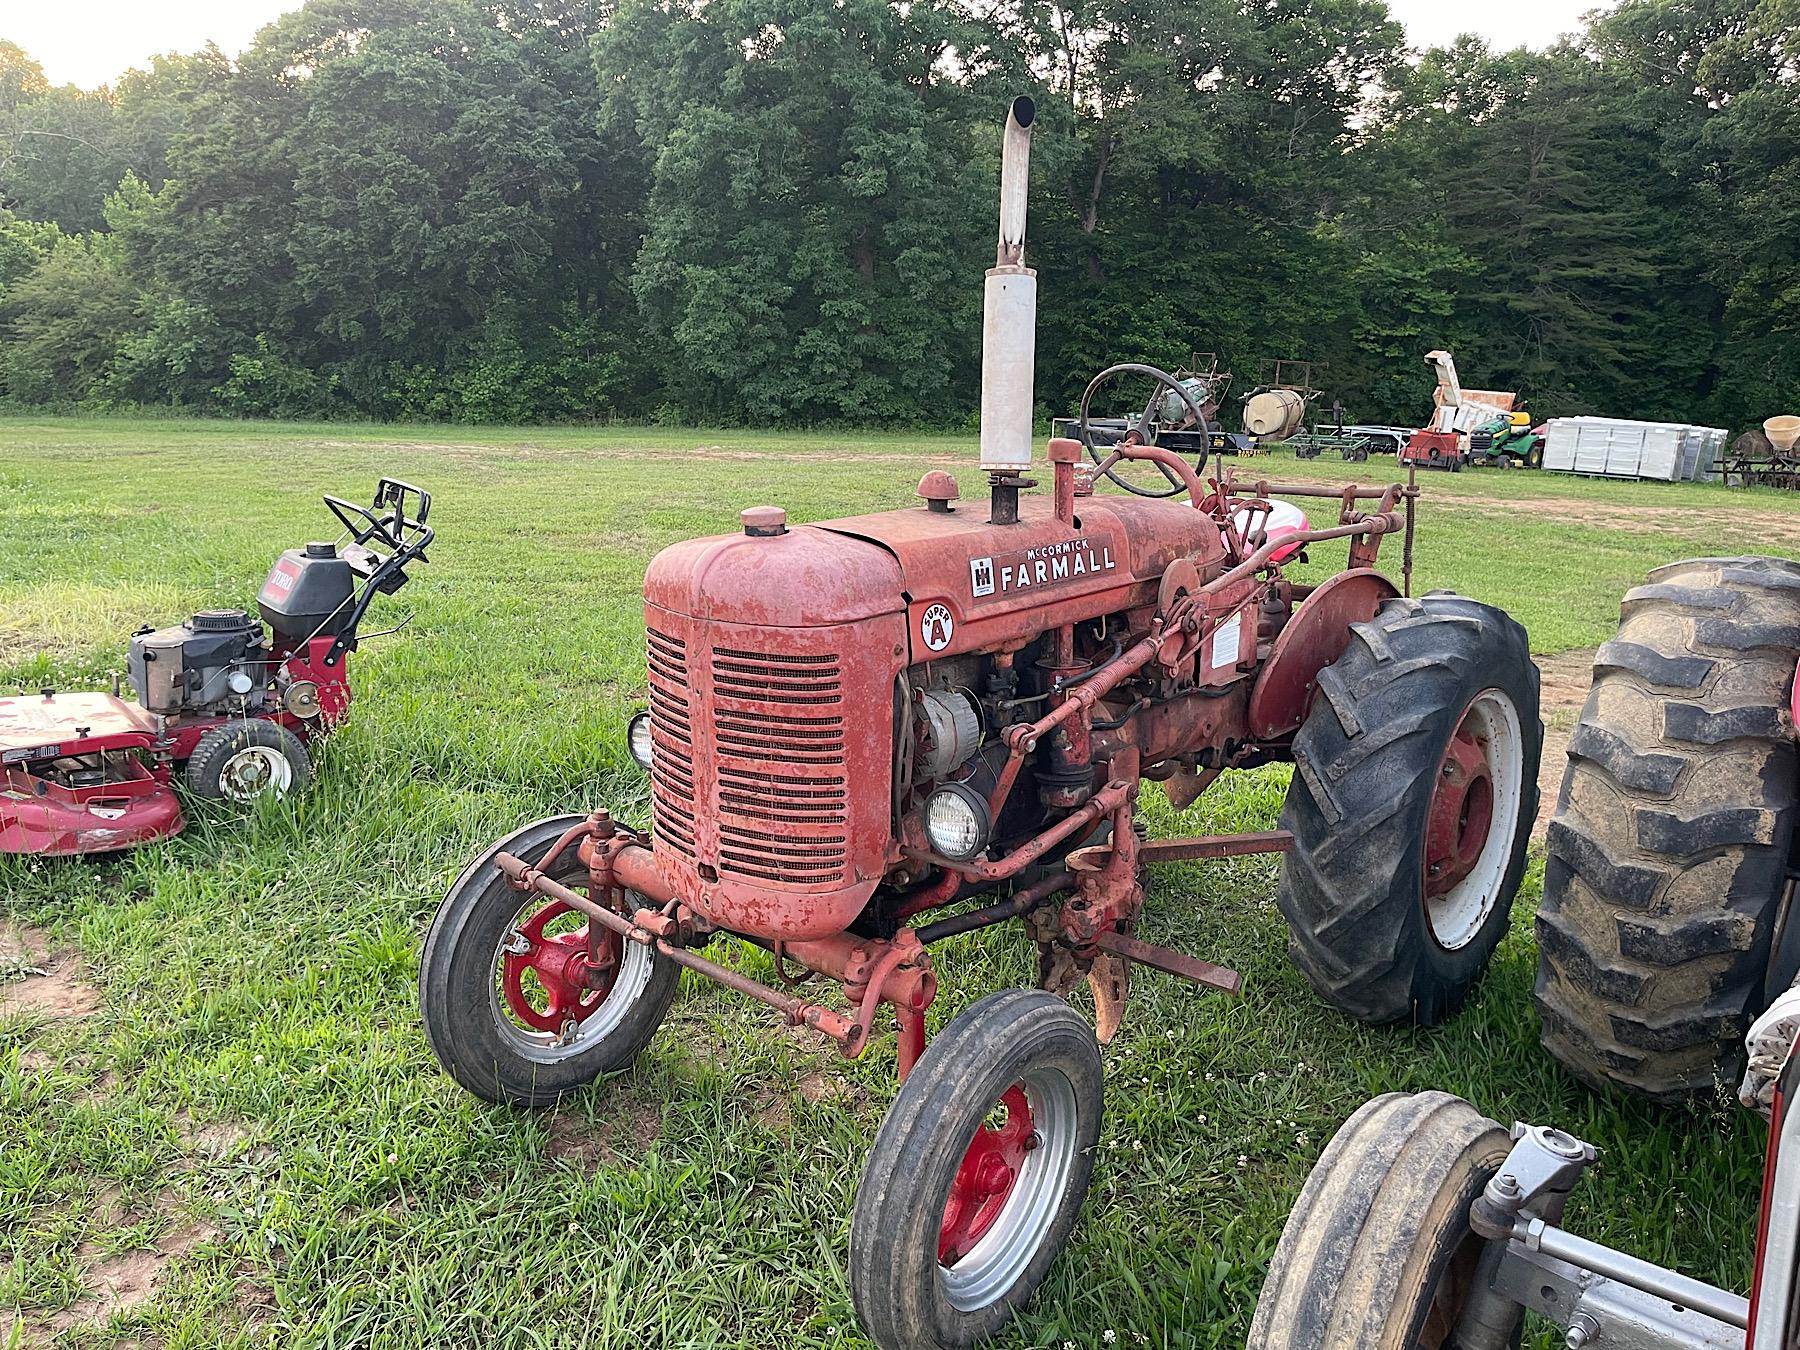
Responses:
[1144,427]
[373,527]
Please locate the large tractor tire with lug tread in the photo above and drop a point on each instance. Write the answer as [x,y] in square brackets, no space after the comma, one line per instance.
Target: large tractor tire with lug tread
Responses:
[520,1006]
[1414,790]
[1661,931]
[977,1173]
[1377,1253]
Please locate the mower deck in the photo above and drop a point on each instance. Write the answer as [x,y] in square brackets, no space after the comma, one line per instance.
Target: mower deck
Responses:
[40,722]
[72,781]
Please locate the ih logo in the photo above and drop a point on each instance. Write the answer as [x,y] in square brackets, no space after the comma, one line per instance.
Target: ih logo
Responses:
[981,576]
[936,626]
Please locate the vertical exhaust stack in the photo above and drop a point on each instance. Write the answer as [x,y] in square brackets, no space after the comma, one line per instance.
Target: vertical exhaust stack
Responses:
[1009,317]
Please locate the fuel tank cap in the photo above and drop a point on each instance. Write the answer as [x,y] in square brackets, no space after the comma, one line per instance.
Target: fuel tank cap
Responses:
[763,522]
[316,549]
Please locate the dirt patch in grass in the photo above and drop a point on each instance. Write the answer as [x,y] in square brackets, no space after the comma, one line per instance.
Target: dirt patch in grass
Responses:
[119,1283]
[212,1139]
[38,979]
[1781,529]
[625,1128]
[1564,688]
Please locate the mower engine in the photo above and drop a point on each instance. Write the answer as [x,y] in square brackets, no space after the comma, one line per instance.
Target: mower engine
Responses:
[212,663]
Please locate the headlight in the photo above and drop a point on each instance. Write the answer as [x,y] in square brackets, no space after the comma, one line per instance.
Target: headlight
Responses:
[957,822]
[302,698]
[637,740]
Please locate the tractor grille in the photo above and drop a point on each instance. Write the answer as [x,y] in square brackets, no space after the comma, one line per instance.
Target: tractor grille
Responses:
[770,767]
[672,738]
[780,741]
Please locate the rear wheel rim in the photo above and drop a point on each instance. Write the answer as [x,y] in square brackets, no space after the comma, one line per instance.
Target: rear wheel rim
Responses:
[1008,1190]
[559,989]
[1473,816]
[1449,1294]
[254,770]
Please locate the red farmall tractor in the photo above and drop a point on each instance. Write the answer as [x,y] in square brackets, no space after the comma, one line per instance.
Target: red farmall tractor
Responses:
[866,735]
[225,704]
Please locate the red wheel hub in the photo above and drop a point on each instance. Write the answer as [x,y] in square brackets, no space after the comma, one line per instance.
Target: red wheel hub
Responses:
[989,1171]
[574,970]
[1462,809]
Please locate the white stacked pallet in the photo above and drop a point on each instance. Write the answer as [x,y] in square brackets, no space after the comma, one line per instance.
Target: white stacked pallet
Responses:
[1559,444]
[1616,447]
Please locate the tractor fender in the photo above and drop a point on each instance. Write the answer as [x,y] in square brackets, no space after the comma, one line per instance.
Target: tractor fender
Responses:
[1314,637]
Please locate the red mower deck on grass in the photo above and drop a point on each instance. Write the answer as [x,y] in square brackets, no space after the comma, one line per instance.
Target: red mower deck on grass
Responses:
[61,806]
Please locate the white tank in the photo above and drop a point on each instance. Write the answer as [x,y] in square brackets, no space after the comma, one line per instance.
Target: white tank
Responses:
[1274,413]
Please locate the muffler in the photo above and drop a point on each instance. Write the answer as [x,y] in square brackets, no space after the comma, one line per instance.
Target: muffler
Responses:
[1009,312]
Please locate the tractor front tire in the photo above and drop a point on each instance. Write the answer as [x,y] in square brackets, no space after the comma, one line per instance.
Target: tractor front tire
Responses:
[504,1011]
[1378,1253]
[1414,790]
[977,1173]
[242,760]
[1664,927]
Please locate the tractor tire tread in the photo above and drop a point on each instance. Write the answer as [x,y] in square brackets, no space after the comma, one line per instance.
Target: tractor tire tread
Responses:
[1366,759]
[893,1272]
[1377,1222]
[1668,855]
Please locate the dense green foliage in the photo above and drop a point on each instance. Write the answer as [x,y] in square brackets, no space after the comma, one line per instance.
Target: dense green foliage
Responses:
[777,211]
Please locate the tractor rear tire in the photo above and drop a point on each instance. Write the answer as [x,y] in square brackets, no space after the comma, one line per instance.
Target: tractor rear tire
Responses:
[1385,923]
[1377,1253]
[1663,928]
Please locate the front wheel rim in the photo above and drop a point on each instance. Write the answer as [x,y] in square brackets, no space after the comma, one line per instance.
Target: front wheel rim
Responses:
[1008,1190]
[557,995]
[254,770]
[1477,793]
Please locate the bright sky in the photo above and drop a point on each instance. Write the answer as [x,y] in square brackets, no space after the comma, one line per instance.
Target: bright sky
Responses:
[92,42]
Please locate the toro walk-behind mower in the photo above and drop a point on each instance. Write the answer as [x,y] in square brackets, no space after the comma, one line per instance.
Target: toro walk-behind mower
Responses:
[1668,954]
[868,735]
[224,704]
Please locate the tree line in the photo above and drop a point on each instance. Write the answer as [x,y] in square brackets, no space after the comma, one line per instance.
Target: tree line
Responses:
[779,211]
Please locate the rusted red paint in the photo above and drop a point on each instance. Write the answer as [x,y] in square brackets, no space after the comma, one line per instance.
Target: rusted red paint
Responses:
[1462,809]
[784,661]
[575,971]
[1312,639]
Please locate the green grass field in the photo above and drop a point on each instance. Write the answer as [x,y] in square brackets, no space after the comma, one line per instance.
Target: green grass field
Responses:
[249,1139]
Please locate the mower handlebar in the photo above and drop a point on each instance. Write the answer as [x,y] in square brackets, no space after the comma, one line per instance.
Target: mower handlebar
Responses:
[388,521]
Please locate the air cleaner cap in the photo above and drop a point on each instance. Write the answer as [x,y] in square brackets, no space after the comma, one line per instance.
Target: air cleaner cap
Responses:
[939,490]
[763,522]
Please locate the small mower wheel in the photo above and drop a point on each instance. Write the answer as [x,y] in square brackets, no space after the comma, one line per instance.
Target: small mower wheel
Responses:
[1665,925]
[242,760]
[1377,1253]
[520,1005]
[977,1173]
[1414,789]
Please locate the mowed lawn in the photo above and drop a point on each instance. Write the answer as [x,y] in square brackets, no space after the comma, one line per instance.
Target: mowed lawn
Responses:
[237,1135]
